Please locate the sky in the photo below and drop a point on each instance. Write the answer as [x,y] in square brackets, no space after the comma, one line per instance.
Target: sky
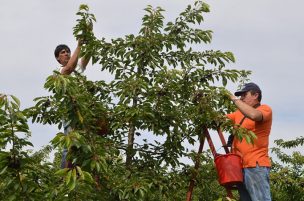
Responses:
[266,37]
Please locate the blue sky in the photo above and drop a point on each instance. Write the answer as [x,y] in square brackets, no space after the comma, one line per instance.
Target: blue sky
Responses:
[265,37]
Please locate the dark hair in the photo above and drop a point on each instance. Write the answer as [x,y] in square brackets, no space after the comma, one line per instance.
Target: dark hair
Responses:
[254,91]
[59,48]
[252,87]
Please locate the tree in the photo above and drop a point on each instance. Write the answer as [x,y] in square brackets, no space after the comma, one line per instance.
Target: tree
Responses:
[129,135]
[287,173]
[157,77]
[24,176]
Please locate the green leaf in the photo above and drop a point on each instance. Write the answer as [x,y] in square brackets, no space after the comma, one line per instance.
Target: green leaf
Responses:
[17,101]
[11,198]
[68,177]
[3,170]
[141,192]
[80,172]
[93,164]
[79,116]
[248,139]
[72,182]
[88,177]
[62,172]
[97,166]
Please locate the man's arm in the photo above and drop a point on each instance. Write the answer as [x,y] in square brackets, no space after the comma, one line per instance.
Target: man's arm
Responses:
[72,63]
[85,60]
[248,111]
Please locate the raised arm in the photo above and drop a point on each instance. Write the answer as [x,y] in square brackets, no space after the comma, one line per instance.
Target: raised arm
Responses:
[70,65]
[247,110]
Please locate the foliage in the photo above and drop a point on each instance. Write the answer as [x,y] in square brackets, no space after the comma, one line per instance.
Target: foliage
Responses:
[127,139]
[287,176]
[23,175]
[157,76]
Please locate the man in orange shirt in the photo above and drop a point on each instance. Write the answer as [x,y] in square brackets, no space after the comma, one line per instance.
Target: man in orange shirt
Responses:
[256,163]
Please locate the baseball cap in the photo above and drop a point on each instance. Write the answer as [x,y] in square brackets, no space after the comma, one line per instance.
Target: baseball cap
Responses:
[248,87]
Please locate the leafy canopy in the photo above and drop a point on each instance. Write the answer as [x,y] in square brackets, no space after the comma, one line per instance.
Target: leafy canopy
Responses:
[129,135]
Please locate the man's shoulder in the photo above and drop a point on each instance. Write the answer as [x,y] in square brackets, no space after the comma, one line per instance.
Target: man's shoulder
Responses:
[266,111]
[265,107]
[79,69]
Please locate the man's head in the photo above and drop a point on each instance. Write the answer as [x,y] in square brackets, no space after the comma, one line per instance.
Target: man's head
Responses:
[250,92]
[62,54]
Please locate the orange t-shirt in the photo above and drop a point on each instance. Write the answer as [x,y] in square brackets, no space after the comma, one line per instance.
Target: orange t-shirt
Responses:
[257,152]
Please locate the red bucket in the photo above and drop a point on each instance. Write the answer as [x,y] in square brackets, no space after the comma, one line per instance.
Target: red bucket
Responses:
[229,169]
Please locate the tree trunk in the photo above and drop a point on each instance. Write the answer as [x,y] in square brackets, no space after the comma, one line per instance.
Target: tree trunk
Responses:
[130,145]
[196,166]
[131,138]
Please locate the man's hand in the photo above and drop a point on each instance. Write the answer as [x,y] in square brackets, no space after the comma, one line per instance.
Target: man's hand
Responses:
[230,95]
[88,31]
[81,42]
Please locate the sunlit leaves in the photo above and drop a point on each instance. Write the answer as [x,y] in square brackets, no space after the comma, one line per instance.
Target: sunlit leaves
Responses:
[152,22]
[83,30]
[287,174]
[299,141]
[15,161]
[161,95]
[73,176]
[156,74]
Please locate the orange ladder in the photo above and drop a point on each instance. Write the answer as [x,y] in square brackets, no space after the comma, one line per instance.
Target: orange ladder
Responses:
[204,136]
